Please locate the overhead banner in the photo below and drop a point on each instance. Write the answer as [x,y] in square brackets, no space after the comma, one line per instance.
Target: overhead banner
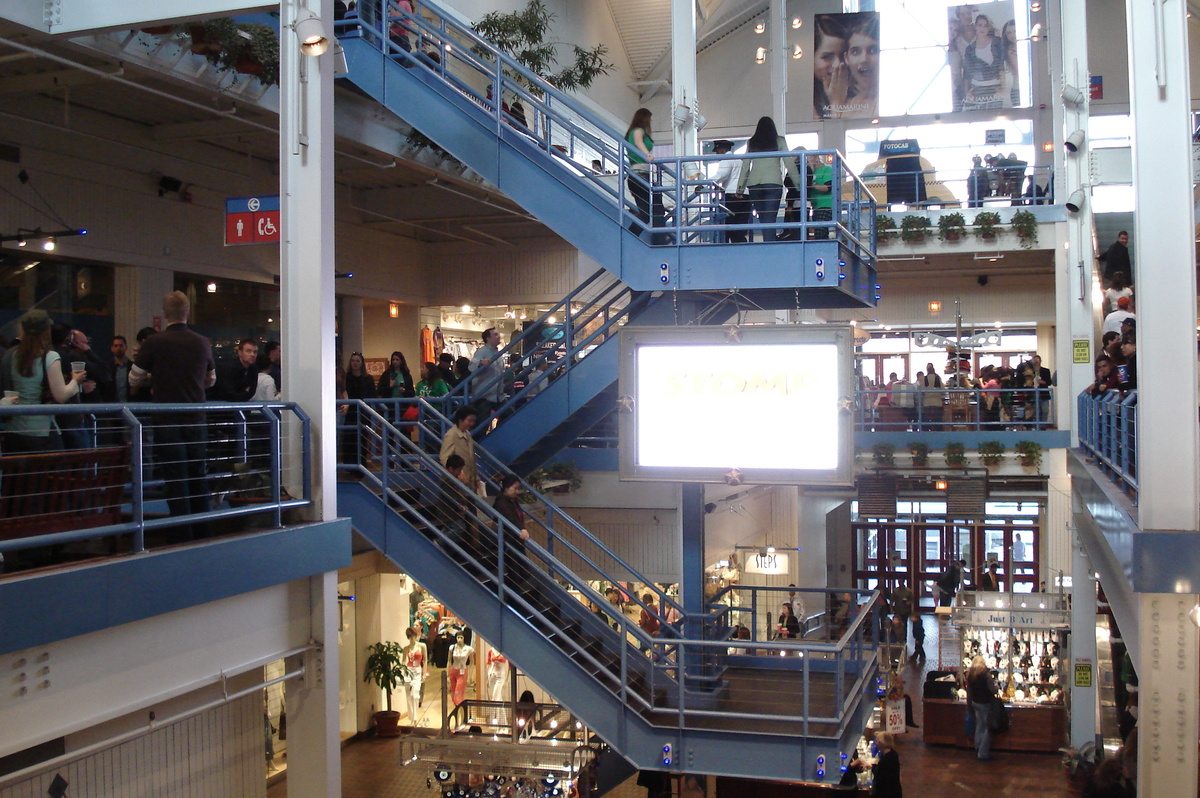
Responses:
[982,55]
[846,66]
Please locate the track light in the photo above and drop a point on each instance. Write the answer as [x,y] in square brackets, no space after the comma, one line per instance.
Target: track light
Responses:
[682,112]
[1074,141]
[701,121]
[1076,200]
[760,55]
[796,23]
[1035,33]
[1073,96]
[49,245]
[797,52]
[311,33]
[760,26]
[1035,6]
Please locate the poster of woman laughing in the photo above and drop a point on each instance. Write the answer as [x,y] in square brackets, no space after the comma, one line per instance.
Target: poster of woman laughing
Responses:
[846,66]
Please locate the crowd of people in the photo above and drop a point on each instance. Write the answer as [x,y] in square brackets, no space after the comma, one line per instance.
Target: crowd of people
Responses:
[1005,396]
[1116,357]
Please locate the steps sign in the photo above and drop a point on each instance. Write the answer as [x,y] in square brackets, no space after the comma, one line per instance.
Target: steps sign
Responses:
[252,220]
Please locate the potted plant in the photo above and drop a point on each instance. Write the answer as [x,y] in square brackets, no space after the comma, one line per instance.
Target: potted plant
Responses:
[920,453]
[562,477]
[987,224]
[951,226]
[1026,225]
[254,51]
[955,454]
[991,452]
[385,667]
[885,228]
[884,454]
[211,37]
[913,228]
[1029,453]
[523,35]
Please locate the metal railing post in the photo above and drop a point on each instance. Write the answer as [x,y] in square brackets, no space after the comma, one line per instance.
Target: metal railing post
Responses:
[137,479]
[276,466]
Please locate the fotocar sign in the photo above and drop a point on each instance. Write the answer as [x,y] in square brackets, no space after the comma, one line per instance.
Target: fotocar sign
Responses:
[760,404]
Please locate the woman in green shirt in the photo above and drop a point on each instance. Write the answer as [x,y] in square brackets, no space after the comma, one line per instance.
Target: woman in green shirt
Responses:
[640,157]
[431,385]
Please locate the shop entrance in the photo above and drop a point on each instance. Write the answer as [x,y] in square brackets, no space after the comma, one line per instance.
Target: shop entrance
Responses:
[917,548]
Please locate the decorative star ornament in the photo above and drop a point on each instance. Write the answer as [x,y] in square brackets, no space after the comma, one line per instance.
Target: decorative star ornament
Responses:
[733,334]
[733,477]
[625,404]
[845,405]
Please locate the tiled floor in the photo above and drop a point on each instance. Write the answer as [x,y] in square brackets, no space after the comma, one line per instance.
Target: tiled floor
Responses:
[371,768]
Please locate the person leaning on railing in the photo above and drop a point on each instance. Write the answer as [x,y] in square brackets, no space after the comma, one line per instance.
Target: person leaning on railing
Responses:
[31,375]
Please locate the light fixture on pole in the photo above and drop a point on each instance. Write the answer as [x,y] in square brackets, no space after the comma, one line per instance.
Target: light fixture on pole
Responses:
[1074,141]
[311,33]
[1035,33]
[760,55]
[760,26]
[797,51]
[796,23]
[1077,200]
[1073,96]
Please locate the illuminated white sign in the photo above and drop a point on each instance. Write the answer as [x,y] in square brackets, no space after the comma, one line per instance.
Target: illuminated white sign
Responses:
[774,564]
[765,406]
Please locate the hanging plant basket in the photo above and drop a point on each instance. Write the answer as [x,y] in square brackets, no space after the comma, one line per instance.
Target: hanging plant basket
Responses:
[158,30]
[248,65]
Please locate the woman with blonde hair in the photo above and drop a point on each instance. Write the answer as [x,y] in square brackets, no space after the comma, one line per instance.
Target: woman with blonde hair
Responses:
[981,689]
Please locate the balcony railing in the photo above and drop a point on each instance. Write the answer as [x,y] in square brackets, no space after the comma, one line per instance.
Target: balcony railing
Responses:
[143,474]
[954,409]
[1108,435]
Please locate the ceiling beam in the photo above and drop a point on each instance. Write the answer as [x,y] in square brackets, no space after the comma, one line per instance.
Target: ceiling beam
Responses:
[205,129]
[47,81]
[76,17]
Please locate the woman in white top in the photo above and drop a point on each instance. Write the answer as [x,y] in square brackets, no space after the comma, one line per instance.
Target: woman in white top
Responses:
[265,391]
[1120,287]
[34,367]
[460,658]
[764,176]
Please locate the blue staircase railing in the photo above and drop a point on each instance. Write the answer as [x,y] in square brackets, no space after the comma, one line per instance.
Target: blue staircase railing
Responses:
[677,682]
[479,87]
[1108,434]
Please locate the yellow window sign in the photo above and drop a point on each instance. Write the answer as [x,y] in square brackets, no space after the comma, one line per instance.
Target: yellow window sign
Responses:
[1081,351]
[1083,674]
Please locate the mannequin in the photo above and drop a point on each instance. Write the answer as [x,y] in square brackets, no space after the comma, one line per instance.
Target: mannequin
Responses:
[460,659]
[497,674]
[416,657]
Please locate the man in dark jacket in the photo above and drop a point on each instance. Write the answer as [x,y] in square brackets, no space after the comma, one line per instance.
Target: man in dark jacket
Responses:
[1116,258]
[238,379]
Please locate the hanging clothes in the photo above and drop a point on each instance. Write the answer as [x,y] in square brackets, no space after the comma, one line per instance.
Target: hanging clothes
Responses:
[428,355]
[439,343]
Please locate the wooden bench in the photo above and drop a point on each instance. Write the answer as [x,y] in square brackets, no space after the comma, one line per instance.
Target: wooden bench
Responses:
[61,491]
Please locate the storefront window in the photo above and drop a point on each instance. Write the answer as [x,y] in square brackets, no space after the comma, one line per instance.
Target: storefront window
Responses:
[947,146]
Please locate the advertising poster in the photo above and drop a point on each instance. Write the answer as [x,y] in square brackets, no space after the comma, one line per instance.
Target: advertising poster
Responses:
[846,66]
[982,56]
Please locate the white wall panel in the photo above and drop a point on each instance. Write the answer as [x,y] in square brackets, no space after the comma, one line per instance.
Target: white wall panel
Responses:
[97,677]
[217,754]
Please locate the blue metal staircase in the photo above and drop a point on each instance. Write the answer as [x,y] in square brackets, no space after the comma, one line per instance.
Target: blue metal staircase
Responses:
[771,716]
[542,160]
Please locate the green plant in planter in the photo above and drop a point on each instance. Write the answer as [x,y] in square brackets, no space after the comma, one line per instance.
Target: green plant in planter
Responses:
[951,226]
[385,668]
[885,228]
[1029,453]
[987,224]
[955,454]
[913,228]
[1025,224]
[919,452]
[884,454]
[522,34]
[557,472]
[254,51]
[991,452]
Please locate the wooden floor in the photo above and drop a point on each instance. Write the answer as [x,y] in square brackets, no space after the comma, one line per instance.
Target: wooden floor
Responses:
[371,767]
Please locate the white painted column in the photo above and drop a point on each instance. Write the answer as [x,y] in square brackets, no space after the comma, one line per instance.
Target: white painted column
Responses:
[1164,235]
[350,325]
[1075,286]
[1084,705]
[307,309]
[1168,434]
[137,298]
[1167,713]
[683,74]
[778,59]
[314,745]
[306,250]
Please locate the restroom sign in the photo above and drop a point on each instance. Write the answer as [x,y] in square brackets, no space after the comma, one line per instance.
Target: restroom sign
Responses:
[251,220]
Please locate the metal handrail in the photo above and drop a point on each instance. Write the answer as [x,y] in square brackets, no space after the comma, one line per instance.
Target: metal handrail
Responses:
[1108,433]
[131,416]
[674,662]
[561,127]
[870,413]
[1011,189]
